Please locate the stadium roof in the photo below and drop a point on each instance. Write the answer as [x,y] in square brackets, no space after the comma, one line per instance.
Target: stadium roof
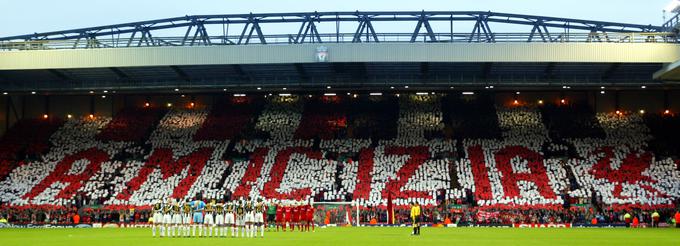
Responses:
[427,54]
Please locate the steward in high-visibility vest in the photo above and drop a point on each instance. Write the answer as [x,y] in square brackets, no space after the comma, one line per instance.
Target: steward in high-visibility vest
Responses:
[627,219]
[655,219]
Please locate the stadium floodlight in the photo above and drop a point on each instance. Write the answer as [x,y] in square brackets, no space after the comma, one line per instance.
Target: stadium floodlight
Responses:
[69,116]
[392,87]
[91,92]
[602,87]
[239,95]
[421,93]
[103,96]
[224,89]
[32,92]
[643,87]
[284,88]
[176,89]
[673,6]
[468,93]
[375,94]
[5,93]
[328,87]
[284,94]
[259,88]
[601,92]
[491,87]
[329,94]
[642,111]
[517,93]
[406,87]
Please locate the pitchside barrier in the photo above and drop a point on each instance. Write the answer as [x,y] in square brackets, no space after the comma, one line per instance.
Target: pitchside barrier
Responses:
[491,225]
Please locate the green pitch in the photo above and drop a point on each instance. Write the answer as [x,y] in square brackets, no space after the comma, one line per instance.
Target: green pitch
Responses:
[354,236]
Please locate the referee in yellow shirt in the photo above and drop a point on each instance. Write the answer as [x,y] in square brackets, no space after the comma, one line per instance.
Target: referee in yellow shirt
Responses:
[415,218]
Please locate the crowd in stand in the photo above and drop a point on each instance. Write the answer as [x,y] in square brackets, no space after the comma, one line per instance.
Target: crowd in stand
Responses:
[293,148]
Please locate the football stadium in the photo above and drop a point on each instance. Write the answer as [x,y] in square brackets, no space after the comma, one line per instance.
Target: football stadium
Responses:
[330,127]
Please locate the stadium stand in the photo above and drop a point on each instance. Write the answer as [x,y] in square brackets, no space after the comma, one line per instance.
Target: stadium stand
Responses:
[423,148]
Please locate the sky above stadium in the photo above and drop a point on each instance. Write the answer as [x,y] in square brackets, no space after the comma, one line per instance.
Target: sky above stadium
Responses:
[21,17]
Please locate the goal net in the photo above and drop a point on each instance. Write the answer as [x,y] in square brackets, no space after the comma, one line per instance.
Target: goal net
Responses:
[336,213]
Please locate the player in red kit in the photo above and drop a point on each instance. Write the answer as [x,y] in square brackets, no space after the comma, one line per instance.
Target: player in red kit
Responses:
[288,213]
[310,217]
[279,217]
[302,216]
[295,216]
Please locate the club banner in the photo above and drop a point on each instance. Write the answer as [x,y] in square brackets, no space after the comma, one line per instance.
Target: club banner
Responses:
[49,226]
[541,225]
[603,225]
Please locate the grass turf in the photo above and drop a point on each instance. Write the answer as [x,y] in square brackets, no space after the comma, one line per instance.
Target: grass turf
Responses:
[391,236]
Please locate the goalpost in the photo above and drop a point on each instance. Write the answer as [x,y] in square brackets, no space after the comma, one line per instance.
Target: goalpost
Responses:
[336,213]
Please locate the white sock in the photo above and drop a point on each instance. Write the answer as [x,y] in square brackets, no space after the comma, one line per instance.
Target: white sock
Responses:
[153,230]
[262,231]
[162,230]
[193,233]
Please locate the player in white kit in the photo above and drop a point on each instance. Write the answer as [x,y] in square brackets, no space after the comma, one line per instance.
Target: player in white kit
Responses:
[157,218]
[167,218]
[176,219]
[229,218]
[210,217]
[219,219]
[186,218]
[259,217]
[240,213]
[250,217]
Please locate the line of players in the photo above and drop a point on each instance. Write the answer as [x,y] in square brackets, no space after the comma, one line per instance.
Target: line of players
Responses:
[198,218]
[293,214]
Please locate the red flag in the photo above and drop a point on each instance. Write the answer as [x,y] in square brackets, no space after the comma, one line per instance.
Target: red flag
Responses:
[390,209]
